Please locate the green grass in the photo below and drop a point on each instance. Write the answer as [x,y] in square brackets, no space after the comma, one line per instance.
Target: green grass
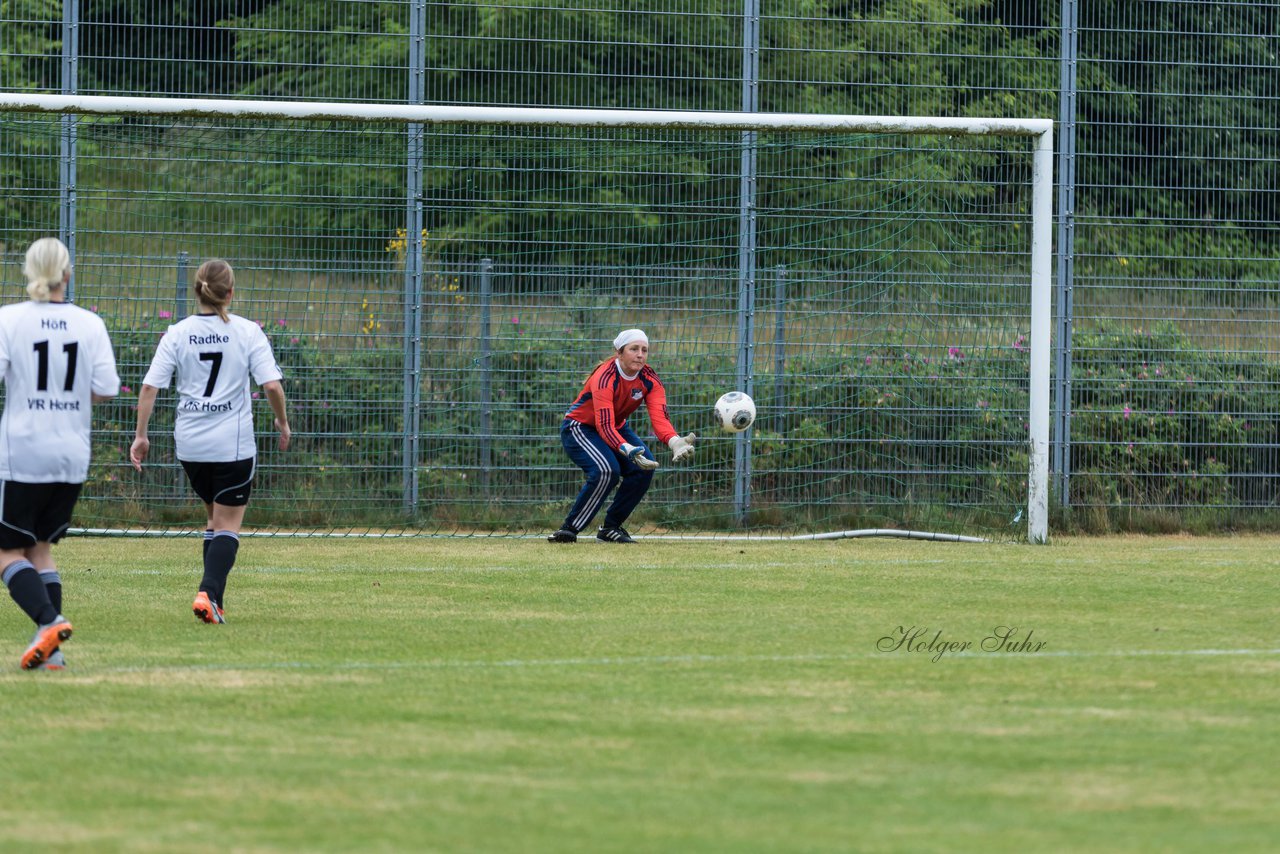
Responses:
[507,695]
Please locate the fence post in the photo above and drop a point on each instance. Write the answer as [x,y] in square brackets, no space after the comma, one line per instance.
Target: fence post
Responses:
[1066,247]
[68,138]
[486,371]
[779,346]
[180,283]
[180,298]
[747,251]
[413,227]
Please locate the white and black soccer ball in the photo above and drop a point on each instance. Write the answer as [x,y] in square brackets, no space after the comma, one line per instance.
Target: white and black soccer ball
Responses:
[735,411]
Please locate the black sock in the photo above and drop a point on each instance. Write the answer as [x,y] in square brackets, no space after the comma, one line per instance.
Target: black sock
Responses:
[53,585]
[208,538]
[218,561]
[29,592]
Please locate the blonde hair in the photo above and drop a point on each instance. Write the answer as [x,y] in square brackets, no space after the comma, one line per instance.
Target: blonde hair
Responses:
[214,281]
[47,264]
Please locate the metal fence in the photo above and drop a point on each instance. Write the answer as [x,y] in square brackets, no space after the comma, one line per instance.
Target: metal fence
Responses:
[1168,275]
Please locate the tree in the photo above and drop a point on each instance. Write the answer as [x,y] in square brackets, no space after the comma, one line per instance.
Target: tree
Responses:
[178,48]
[30,60]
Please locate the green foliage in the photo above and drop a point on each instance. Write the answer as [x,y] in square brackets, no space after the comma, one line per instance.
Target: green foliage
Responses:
[1158,422]
[897,434]
[28,165]
[186,49]
[330,52]
[1165,148]
[30,60]
[817,56]
[1243,270]
[31,51]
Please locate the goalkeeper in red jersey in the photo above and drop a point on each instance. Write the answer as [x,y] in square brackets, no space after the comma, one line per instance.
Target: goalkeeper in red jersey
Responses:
[597,438]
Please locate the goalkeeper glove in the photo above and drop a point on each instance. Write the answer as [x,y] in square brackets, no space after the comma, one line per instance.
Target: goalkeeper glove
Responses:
[635,453]
[681,446]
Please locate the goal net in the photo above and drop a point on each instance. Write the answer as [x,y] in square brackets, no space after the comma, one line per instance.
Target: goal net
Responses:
[437,283]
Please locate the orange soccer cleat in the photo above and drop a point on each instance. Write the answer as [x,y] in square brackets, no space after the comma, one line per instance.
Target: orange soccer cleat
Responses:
[207,609]
[55,661]
[46,642]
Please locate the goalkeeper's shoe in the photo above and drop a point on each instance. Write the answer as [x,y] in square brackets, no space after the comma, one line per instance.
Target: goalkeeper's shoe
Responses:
[54,662]
[614,535]
[45,643]
[564,535]
[207,609]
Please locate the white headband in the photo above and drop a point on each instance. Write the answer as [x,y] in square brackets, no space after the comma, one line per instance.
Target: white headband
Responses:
[627,336]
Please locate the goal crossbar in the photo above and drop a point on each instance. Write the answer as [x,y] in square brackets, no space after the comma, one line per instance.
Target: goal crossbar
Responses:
[437,114]
[547,116]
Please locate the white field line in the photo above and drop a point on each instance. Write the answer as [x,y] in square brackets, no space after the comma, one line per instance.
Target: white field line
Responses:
[660,660]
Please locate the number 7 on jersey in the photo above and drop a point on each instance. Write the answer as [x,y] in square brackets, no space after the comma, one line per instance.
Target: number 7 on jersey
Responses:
[216,358]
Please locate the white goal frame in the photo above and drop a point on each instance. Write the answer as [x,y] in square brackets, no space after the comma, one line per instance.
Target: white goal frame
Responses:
[1041,130]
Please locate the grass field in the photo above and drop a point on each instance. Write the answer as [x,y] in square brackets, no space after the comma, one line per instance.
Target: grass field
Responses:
[508,695]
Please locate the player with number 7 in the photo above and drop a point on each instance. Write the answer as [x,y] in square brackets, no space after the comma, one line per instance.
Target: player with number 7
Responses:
[214,354]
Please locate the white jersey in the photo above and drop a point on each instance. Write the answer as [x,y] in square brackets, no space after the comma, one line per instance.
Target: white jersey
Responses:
[54,356]
[213,361]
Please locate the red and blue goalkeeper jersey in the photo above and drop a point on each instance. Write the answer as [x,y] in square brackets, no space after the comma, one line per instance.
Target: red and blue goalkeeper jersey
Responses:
[609,397]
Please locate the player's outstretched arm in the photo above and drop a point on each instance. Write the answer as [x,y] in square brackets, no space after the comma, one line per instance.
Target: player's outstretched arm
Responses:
[141,444]
[275,396]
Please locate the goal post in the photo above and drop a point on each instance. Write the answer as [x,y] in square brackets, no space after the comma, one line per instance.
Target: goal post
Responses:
[357,117]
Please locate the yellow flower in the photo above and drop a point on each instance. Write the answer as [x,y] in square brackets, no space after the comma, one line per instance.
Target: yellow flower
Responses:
[398,243]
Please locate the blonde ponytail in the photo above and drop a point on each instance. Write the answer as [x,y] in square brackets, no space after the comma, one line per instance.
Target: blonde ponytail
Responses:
[47,264]
[214,281]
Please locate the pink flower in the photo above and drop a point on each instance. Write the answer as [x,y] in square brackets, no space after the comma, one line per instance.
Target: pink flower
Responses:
[1127,412]
[1020,343]
[281,323]
[255,395]
[126,389]
[954,353]
[868,360]
[93,308]
[164,315]
[293,340]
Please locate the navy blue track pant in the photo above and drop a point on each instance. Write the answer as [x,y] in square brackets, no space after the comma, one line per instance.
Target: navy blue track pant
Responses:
[604,468]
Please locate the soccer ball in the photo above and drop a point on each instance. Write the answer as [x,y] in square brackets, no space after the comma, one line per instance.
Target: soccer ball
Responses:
[735,411]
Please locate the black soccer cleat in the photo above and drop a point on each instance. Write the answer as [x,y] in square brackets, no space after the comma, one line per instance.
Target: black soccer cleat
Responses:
[614,535]
[564,535]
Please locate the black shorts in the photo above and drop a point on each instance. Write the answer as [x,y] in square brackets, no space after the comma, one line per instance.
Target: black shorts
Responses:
[33,513]
[221,483]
